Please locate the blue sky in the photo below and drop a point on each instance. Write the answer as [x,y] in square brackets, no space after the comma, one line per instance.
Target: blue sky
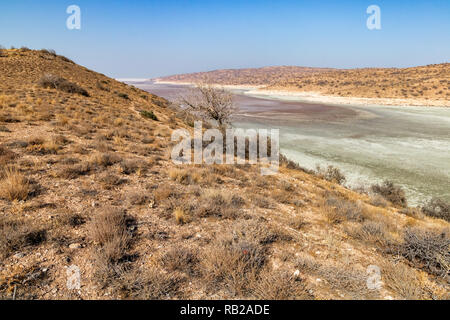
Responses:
[145,39]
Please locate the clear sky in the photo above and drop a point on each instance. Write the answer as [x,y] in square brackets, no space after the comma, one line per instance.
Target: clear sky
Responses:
[144,39]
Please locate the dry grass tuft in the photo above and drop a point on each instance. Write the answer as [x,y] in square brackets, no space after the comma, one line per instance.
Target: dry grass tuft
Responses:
[110,230]
[14,185]
[6,156]
[105,159]
[180,216]
[372,232]
[214,202]
[403,280]
[184,176]
[233,264]
[72,219]
[109,180]
[149,284]
[280,285]
[164,192]
[180,259]
[339,210]
[15,235]
[298,222]
[73,172]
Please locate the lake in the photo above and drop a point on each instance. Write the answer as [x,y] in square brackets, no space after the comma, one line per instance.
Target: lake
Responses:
[407,145]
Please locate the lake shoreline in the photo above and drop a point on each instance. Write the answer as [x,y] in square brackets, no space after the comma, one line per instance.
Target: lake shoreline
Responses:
[318,98]
[406,145]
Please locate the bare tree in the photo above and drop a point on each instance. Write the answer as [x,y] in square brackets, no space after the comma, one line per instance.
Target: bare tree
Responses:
[210,103]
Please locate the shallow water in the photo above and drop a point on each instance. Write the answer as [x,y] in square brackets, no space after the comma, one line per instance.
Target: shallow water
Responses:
[407,145]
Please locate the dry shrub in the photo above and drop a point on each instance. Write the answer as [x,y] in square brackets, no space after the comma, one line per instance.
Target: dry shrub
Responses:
[262,202]
[59,83]
[109,180]
[180,259]
[282,196]
[279,285]
[105,159]
[41,147]
[259,232]
[14,185]
[412,212]
[149,115]
[331,174]
[233,263]
[437,208]
[109,225]
[391,192]
[402,280]
[306,262]
[73,172]
[6,156]
[339,210]
[149,283]
[378,201]
[131,166]
[372,232]
[16,235]
[101,146]
[137,198]
[164,192]
[427,249]
[184,176]
[71,219]
[112,231]
[218,203]
[345,278]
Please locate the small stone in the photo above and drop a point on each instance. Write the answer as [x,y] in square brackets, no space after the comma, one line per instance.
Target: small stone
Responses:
[19,255]
[296,273]
[75,246]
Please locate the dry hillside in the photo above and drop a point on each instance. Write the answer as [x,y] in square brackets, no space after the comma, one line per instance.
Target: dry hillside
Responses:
[426,82]
[251,76]
[425,85]
[86,181]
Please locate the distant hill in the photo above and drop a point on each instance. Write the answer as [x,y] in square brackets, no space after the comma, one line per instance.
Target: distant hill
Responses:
[423,84]
[251,76]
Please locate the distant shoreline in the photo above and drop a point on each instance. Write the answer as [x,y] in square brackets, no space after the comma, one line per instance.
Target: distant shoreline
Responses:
[318,98]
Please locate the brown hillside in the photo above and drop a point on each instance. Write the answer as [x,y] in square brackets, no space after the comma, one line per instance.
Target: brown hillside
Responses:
[425,85]
[86,182]
[252,76]
[427,82]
